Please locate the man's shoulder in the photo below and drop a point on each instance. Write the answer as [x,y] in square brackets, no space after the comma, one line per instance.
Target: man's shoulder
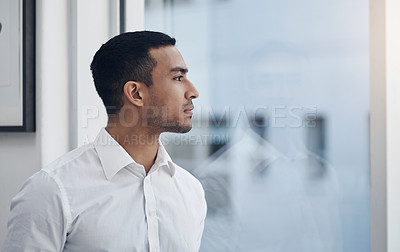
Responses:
[193,188]
[73,158]
[180,171]
[187,177]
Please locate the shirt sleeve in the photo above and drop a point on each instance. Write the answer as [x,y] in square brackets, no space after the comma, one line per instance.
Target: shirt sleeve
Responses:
[203,216]
[37,221]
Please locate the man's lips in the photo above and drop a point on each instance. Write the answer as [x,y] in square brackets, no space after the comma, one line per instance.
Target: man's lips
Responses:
[189,109]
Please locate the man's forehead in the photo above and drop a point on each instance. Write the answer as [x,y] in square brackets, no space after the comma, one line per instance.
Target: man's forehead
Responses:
[168,56]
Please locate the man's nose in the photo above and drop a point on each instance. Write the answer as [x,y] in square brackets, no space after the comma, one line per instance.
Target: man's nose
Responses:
[192,92]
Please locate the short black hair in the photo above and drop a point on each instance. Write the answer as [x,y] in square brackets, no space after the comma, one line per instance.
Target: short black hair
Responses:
[125,58]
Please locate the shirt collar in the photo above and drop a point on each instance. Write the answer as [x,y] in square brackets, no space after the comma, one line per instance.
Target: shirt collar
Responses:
[164,158]
[113,156]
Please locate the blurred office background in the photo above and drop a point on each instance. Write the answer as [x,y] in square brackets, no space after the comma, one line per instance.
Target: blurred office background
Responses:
[281,135]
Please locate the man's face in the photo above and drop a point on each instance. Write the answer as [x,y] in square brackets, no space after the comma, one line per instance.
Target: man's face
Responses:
[170,105]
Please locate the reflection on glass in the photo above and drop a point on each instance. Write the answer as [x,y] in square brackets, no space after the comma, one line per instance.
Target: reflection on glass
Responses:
[280,137]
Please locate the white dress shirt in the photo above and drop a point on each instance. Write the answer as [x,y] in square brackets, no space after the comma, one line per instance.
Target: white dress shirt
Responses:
[97,198]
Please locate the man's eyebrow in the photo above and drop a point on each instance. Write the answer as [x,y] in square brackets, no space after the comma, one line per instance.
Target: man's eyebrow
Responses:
[180,69]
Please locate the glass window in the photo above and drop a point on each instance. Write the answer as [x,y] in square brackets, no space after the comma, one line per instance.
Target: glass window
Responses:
[280,139]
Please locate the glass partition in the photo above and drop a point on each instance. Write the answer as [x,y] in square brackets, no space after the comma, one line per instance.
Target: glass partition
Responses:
[280,139]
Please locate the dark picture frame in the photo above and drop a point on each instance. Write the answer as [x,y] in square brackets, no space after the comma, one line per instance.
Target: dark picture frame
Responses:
[26,70]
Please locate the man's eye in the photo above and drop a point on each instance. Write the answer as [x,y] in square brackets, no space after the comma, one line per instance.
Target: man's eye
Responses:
[179,78]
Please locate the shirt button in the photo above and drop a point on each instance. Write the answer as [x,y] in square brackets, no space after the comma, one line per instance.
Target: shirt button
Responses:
[152,213]
[154,250]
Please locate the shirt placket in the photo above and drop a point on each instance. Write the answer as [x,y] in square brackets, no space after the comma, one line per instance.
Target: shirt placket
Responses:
[151,215]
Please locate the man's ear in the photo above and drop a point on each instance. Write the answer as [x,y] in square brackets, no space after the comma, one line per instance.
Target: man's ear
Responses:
[134,92]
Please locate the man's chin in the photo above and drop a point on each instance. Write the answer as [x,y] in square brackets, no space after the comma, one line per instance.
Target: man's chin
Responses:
[178,128]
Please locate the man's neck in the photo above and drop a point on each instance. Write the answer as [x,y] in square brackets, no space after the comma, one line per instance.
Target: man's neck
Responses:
[140,145]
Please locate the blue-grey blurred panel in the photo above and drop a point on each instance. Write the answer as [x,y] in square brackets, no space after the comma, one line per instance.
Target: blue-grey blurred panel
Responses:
[291,81]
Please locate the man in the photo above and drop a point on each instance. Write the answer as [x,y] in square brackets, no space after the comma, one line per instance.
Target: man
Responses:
[122,192]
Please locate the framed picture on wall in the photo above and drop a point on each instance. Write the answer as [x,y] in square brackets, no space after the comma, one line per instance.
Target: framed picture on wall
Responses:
[17,65]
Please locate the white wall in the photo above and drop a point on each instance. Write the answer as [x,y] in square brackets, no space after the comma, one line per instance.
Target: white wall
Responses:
[385,120]
[393,122]
[90,33]
[19,158]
